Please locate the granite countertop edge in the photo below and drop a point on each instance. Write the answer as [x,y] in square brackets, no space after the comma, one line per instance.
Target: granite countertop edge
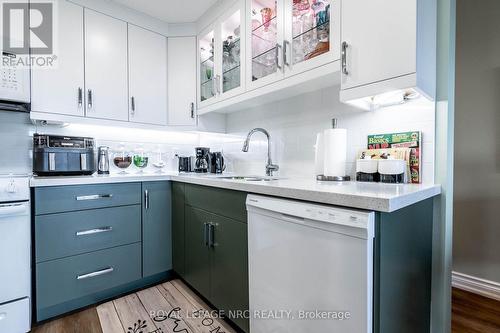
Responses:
[367,196]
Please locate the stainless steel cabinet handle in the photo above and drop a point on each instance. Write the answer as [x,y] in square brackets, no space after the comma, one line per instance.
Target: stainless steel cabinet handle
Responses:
[192,110]
[277,56]
[90,101]
[285,53]
[344,58]
[95,274]
[132,104]
[211,235]
[94,231]
[146,199]
[80,97]
[94,197]
[205,233]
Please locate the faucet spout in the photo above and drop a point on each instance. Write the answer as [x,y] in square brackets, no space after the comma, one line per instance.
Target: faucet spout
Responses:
[270,167]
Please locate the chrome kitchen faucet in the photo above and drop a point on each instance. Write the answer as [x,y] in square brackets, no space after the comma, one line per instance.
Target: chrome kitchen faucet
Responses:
[270,167]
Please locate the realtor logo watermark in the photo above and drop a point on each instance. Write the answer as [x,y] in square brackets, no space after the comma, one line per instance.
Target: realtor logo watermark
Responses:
[28,31]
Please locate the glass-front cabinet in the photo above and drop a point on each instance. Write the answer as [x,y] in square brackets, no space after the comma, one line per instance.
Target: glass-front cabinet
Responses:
[258,42]
[264,41]
[312,34]
[207,80]
[221,57]
[232,47]
[286,37]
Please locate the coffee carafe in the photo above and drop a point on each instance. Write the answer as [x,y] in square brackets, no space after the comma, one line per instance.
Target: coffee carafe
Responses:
[202,163]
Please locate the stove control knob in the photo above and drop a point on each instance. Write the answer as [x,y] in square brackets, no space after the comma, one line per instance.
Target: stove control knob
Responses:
[11,187]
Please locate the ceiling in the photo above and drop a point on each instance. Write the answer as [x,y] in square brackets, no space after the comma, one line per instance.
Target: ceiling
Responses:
[171,11]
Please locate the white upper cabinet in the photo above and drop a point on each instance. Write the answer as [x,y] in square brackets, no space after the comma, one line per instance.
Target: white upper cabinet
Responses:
[147,53]
[207,78]
[265,38]
[312,34]
[387,45]
[231,48]
[287,37]
[182,75]
[60,90]
[106,67]
[221,57]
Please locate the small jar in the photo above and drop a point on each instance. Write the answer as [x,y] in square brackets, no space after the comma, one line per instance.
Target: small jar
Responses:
[392,171]
[367,170]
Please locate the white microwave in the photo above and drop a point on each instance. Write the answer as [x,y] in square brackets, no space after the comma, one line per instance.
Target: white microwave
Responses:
[14,81]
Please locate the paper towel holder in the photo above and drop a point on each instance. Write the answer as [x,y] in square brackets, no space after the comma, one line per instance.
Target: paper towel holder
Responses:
[324,178]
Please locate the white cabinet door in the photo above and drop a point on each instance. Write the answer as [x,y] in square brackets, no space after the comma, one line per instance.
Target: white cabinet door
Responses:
[147,53]
[105,67]
[182,81]
[264,37]
[60,89]
[380,39]
[231,48]
[208,78]
[312,34]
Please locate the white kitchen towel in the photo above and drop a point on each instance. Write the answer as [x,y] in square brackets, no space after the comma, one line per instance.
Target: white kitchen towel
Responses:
[335,145]
[319,159]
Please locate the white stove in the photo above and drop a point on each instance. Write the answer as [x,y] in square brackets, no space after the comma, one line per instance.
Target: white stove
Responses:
[15,254]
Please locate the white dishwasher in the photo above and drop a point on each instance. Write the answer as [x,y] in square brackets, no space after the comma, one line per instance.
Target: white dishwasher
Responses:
[310,267]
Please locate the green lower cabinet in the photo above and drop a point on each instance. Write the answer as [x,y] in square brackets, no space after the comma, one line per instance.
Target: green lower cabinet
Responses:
[229,268]
[156,228]
[197,269]
[218,270]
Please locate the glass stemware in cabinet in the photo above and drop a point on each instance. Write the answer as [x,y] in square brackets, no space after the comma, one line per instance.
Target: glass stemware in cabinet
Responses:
[207,66]
[264,38]
[310,29]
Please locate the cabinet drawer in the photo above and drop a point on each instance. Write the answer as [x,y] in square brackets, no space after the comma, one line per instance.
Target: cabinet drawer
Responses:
[15,316]
[223,202]
[63,280]
[60,199]
[67,234]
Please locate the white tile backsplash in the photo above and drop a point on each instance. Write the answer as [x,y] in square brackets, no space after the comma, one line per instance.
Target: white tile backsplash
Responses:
[294,123]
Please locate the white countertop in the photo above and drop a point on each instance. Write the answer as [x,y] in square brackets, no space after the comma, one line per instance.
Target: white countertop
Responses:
[369,196]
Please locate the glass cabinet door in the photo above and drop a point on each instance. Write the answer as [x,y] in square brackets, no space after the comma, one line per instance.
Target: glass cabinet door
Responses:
[232,50]
[311,33]
[207,66]
[264,20]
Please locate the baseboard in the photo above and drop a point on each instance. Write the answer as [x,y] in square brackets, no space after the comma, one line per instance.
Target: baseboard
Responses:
[476,285]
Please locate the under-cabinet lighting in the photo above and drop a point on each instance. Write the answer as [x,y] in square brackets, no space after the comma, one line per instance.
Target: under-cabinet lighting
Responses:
[392,98]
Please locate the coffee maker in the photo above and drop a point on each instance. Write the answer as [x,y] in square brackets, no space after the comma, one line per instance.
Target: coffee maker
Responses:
[202,162]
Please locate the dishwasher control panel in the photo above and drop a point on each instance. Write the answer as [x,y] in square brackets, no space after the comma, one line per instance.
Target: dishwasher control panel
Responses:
[298,211]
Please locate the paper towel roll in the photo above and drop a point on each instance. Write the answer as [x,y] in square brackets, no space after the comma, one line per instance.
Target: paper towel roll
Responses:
[335,145]
[319,159]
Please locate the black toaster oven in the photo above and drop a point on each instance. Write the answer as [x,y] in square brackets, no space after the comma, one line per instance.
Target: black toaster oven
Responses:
[55,155]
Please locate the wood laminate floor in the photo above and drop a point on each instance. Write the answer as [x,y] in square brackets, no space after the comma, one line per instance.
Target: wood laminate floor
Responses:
[173,307]
[472,313]
[165,308]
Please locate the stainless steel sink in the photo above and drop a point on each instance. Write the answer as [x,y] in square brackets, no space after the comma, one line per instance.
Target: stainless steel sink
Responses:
[250,178]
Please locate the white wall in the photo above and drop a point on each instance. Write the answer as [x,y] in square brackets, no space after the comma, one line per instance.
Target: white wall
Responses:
[293,124]
[476,249]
